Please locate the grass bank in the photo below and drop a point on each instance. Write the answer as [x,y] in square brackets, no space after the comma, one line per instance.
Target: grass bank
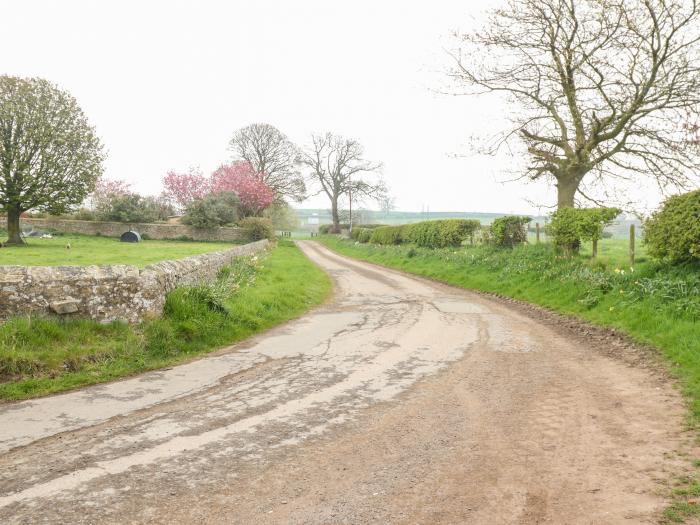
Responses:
[86,250]
[40,356]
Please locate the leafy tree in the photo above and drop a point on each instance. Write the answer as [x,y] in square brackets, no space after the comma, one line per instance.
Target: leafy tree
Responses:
[337,166]
[105,190]
[240,178]
[273,158]
[600,89]
[212,211]
[131,207]
[159,208]
[569,226]
[50,157]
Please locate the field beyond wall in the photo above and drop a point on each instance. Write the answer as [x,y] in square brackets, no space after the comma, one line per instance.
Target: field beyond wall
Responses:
[86,250]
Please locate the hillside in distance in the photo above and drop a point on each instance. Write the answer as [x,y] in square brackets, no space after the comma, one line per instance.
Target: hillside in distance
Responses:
[310,218]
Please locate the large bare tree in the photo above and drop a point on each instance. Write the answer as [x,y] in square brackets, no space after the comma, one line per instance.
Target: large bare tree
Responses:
[601,89]
[272,155]
[337,165]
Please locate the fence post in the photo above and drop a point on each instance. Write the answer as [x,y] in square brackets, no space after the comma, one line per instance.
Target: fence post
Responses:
[537,231]
[631,244]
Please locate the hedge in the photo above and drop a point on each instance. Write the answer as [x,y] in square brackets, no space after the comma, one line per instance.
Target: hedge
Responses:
[509,231]
[428,234]
[258,228]
[357,229]
[326,228]
[365,235]
[387,235]
[672,233]
[440,234]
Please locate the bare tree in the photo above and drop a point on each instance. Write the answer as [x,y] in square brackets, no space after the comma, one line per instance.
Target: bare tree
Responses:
[602,89]
[387,204]
[337,166]
[272,155]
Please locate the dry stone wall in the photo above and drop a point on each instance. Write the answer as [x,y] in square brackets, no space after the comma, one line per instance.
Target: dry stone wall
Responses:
[153,231]
[107,293]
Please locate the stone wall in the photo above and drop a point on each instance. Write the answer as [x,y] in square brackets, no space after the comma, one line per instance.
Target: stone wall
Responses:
[110,292]
[153,231]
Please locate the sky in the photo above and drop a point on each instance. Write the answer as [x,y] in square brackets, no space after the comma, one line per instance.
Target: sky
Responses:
[166,83]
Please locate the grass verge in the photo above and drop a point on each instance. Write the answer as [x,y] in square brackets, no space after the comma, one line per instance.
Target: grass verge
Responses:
[40,356]
[653,304]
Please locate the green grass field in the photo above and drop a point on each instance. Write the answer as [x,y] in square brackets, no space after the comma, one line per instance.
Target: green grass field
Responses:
[40,356]
[86,250]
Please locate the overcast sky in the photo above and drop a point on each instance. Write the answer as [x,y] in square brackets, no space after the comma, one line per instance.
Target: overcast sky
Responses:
[167,82]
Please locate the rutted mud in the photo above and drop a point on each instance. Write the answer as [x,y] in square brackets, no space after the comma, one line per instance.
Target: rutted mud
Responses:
[403,401]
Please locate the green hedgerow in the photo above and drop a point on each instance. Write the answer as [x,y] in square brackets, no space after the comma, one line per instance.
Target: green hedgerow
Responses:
[509,231]
[387,235]
[672,233]
[440,234]
[365,235]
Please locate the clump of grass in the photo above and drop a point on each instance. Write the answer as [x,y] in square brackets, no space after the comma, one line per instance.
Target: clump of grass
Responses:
[40,356]
[684,503]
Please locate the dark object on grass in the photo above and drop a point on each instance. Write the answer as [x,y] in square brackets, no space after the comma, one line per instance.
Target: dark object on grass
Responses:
[130,236]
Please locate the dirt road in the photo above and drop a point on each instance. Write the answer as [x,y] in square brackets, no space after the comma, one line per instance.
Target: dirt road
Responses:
[402,401]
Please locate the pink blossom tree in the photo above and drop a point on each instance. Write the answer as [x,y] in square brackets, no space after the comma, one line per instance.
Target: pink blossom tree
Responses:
[104,190]
[240,178]
[182,188]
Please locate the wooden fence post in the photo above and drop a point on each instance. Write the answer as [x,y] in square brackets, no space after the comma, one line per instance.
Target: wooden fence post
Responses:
[631,244]
[537,231]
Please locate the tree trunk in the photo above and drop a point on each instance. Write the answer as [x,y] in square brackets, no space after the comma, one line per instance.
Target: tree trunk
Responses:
[566,191]
[13,229]
[595,248]
[334,215]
